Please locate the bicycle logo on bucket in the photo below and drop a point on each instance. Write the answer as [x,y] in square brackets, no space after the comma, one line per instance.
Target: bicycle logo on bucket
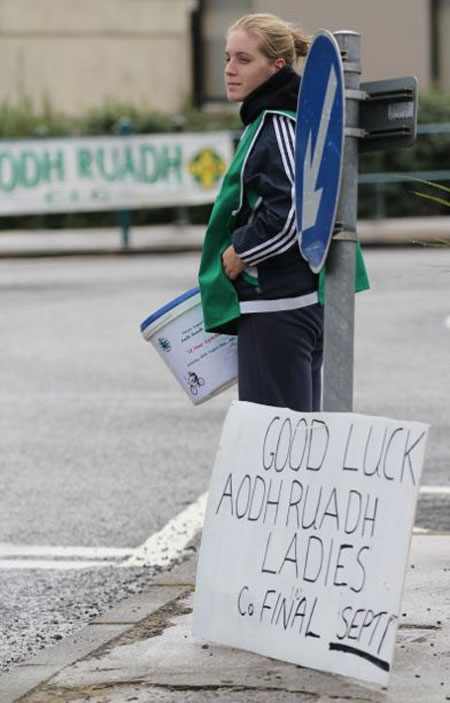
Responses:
[195,382]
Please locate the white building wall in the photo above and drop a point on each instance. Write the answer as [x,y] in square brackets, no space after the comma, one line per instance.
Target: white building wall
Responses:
[80,52]
[395,33]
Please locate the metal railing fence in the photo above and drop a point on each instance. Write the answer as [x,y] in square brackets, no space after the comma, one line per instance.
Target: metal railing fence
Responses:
[381,178]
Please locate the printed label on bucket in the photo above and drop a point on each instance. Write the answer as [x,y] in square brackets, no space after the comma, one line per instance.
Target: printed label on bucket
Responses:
[203,362]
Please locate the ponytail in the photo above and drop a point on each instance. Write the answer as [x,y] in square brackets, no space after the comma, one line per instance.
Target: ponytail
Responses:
[278,39]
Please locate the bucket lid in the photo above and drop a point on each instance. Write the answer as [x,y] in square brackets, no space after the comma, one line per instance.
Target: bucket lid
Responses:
[173,303]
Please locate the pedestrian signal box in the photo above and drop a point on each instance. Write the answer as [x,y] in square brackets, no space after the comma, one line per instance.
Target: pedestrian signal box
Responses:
[388,114]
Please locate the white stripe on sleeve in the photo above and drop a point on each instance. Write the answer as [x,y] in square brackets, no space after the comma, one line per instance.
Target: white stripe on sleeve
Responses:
[279,246]
[284,147]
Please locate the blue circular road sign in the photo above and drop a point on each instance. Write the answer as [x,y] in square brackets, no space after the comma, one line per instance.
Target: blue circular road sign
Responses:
[319,147]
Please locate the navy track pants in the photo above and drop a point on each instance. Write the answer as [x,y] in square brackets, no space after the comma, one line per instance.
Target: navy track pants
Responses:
[280,358]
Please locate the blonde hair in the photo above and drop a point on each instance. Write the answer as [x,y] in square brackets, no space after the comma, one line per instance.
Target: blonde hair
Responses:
[279,39]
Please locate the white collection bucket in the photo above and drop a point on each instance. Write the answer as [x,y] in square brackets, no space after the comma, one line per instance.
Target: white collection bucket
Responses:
[204,363]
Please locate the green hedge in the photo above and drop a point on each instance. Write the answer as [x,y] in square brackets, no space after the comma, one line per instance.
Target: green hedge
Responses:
[27,121]
[431,152]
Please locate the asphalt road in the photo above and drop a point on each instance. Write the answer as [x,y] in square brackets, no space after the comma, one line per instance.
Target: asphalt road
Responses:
[99,447]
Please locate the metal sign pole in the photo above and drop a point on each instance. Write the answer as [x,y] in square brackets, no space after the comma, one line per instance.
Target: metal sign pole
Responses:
[340,265]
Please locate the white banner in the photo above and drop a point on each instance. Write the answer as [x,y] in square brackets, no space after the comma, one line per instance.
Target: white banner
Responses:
[306,537]
[109,173]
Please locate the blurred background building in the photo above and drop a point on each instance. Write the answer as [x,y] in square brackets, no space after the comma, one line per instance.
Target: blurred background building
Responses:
[166,53]
[76,53]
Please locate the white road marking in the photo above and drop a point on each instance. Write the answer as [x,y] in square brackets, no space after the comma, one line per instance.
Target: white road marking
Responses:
[158,550]
[447,322]
[36,551]
[170,543]
[51,564]
[435,490]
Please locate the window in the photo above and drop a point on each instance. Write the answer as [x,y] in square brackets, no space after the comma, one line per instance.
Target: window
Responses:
[210,23]
[440,47]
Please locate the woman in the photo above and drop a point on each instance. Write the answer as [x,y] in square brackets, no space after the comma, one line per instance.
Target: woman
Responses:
[253,279]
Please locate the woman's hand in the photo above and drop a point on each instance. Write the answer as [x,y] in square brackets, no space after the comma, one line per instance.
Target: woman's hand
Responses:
[232,264]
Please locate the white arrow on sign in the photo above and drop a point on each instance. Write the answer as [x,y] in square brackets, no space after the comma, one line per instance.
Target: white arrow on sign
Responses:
[311,195]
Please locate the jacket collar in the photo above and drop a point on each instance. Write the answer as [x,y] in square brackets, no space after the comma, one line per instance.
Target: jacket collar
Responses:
[280,91]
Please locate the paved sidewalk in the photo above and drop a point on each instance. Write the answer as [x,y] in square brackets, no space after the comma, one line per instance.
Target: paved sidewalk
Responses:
[142,651]
[164,238]
[156,239]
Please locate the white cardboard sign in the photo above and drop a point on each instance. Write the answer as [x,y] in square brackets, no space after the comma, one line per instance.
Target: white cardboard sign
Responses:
[306,537]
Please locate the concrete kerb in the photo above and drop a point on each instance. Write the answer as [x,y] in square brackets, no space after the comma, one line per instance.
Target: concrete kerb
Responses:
[142,647]
[118,620]
[425,231]
[94,242]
